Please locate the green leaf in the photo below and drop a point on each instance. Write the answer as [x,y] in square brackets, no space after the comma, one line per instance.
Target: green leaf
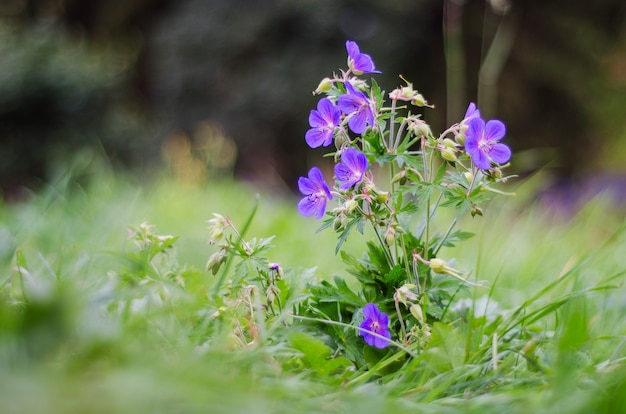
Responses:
[445,349]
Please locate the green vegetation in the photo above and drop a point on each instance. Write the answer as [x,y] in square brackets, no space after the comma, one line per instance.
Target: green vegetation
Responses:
[93,321]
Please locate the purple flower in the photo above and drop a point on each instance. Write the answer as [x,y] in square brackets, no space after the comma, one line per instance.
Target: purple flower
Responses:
[350,170]
[482,143]
[377,322]
[360,63]
[323,123]
[316,194]
[356,103]
[471,113]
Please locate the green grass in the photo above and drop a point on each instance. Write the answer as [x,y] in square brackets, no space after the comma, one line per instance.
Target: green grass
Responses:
[64,349]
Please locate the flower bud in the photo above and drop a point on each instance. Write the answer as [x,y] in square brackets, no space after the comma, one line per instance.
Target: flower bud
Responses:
[325,85]
[460,138]
[337,224]
[418,100]
[399,177]
[476,211]
[438,265]
[350,205]
[419,128]
[271,294]
[405,293]
[382,196]
[216,260]
[416,311]
[278,269]
[448,154]
[448,143]
[390,236]
[468,176]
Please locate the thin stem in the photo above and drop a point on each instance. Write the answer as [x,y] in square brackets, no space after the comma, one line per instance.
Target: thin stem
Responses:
[402,328]
[392,124]
[229,261]
[445,236]
[388,255]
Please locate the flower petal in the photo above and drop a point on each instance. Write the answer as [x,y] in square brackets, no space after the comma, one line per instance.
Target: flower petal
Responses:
[494,130]
[315,175]
[364,64]
[371,311]
[353,49]
[311,206]
[380,342]
[481,160]
[330,113]
[306,186]
[349,103]
[317,137]
[355,160]
[472,112]
[316,119]
[358,122]
[500,153]
[475,131]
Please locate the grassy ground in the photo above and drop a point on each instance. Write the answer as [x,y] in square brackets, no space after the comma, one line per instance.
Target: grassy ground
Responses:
[63,349]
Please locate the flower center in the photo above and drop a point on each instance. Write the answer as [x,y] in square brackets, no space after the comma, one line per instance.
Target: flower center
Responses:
[485,146]
[374,326]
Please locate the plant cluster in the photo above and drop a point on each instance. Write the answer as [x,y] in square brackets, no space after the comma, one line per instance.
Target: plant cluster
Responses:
[393,178]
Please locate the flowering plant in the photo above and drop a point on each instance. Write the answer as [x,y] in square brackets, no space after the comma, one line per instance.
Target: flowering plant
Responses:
[392,177]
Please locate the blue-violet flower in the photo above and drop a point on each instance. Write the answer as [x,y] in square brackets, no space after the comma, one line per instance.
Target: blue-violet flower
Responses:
[350,170]
[356,103]
[377,322]
[482,143]
[323,123]
[358,62]
[316,194]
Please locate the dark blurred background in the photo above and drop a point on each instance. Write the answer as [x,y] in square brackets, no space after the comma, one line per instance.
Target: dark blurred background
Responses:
[209,87]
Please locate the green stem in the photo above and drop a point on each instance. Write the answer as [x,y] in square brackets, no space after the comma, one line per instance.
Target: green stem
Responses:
[445,236]
[388,255]
[231,256]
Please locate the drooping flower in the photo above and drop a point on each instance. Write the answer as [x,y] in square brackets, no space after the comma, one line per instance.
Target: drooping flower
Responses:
[356,103]
[316,194]
[350,170]
[358,62]
[377,322]
[323,122]
[482,143]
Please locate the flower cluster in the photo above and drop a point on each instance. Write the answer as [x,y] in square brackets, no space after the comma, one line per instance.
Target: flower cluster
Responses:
[459,164]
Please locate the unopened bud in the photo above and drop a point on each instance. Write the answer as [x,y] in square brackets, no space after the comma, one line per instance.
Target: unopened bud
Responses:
[382,196]
[278,269]
[438,265]
[460,138]
[271,294]
[416,311]
[216,260]
[476,211]
[350,205]
[419,128]
[325,85]
[390,236]
[418,100]
[399,177]
[448,143]
[405,293]
[448,154]
[337,224]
